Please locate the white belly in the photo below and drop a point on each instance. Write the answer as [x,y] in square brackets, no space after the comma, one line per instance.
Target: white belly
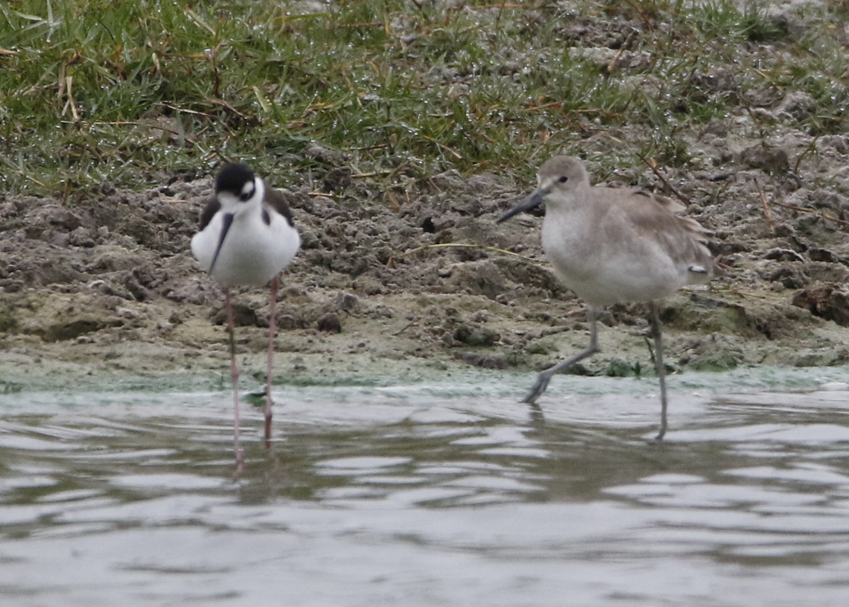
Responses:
[603,271]
[609,287]
[252,254]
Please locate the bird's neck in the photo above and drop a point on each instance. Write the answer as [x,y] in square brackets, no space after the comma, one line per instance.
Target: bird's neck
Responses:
[574,200]
[253,206]
[259,194]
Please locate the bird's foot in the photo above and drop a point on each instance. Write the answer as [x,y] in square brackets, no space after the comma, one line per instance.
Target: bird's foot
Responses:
[538,388]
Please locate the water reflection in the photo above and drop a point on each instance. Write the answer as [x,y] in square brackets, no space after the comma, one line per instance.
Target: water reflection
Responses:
[422,496]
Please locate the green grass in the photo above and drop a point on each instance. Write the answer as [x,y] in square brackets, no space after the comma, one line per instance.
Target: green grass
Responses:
[137,91]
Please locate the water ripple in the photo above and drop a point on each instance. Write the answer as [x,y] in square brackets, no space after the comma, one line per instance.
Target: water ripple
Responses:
[427,494]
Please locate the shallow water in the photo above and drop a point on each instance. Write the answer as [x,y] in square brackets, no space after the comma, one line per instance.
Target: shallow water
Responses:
[445,492]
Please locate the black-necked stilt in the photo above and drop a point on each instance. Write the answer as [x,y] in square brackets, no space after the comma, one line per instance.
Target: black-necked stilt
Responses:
[614,245]
[246,237]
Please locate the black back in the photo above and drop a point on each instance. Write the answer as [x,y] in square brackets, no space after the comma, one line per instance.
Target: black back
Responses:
[209,210]
[276,201]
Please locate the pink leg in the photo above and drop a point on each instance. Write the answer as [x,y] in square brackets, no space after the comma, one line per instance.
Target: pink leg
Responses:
[272,329]
[234,378]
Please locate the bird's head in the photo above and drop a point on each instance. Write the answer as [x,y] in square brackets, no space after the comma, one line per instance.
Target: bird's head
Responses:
[557,179]
[236,187]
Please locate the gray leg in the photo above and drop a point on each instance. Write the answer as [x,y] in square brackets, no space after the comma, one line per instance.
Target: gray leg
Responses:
[658,362]
[544,377]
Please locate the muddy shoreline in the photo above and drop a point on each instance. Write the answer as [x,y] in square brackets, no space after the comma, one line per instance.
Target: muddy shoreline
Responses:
[108,286]
[408,273]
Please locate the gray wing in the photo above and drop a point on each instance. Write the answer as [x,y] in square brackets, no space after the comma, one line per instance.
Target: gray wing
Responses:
[683,238]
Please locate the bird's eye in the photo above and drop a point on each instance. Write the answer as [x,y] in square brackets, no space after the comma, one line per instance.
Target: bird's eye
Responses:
[563,179]
[245,196]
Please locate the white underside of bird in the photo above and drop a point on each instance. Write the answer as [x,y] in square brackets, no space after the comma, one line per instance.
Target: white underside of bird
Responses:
[599,250]
[253,252]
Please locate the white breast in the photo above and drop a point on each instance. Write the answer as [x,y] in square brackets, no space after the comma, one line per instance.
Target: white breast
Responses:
[253,252]
[604,264]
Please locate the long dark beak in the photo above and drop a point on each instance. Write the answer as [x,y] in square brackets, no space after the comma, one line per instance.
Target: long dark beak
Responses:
[228,221]
[528,203]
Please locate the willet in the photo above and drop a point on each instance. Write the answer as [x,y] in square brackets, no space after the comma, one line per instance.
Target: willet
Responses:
[612,245]
[246,237]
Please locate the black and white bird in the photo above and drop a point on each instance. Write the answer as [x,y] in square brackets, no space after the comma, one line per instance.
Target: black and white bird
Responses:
[614,245]
[246,238]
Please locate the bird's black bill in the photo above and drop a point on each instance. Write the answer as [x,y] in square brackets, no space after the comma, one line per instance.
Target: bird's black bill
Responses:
[228,221]
[530,202]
